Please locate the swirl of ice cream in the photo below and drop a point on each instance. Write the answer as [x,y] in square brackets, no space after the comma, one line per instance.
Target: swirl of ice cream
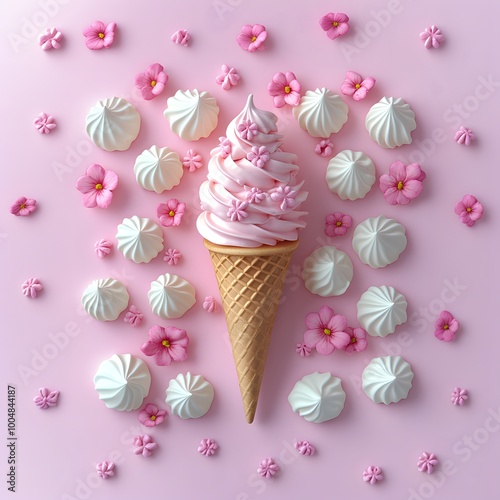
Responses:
[251,196]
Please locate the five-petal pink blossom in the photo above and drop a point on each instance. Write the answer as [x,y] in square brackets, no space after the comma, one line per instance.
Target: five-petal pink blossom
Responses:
[268,468]
[207,447]
[152,81]
[237,210]
[97,186]
[166,344]
[302,350]
[99,35]
[105,469]
[144,445]
[446,327]
[23,206]
[324,148]
[335,25]
[432,37]
[181,37]
[284,194]
[305,448]
[358,341]
[170,213]
[32,287]
[172,256]
[133,316]
[151,415]
[46,399]
[469,210]
[247,130]
[102,248]
[252,37]
[464,136]
[337,224]
[225,147]
[355,86]
[372,474]
[426,462]
[255,195]
[285,89]
[192,161]
[326,331]
[50,39]
[259,156]
[402,184]
[228,78]
[45,123]
[459,396]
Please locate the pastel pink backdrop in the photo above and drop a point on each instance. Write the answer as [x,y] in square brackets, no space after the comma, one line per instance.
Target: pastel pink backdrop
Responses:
[446,264]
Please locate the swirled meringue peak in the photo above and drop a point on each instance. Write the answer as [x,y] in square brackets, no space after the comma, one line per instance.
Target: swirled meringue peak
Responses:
[192,114]
[387,379]
[327,272]
[350,175]
[390,122]
[251,197]
[170,296]
[318,397]
[139,239]
[113,124]
[105,299]
[379,241]
[381,309]
[158,169]
[122,382]
[321,112]
[189,396]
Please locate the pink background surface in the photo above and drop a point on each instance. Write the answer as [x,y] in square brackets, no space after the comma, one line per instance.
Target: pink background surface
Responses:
[446,264]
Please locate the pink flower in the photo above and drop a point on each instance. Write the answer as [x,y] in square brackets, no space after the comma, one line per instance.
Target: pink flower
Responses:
[459,396]
[432,37]
[210,305]
[181,37]
[32,287]
[426,462]
[358,340]
[170,213]
[446,327]
[247,130]
[305,448]
[228,78]
[152,82]
[172,256]
[47,399]
[372,474]
[324,148]
[259,156]
[151,415]
[335,25]
[45,123]
[252,37]
[166,344]
[237,211]
[469,210]
[105,469]
[192,161]
[326,331]
[402,184]
[97,186]
[303,350]
[337,224]
[133,316]
[225,147]
[355,86]
[286,195]
[50,39]
[99,36]
[255,195]
[465,136]
[23,206]
[144,445]
[285,89]
[268,468]
[103,248]
[207,447]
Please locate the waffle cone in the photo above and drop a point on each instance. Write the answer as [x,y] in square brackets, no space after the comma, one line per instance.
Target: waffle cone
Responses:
[250,283]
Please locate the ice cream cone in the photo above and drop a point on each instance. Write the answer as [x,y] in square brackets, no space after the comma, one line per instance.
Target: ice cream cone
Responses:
[250,283]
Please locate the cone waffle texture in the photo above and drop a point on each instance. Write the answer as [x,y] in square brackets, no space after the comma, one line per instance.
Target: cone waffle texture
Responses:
[250,283]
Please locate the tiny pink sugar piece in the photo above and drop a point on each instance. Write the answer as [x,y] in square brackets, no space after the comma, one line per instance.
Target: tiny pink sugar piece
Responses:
[426,462]
[432,37]
[151,415]
[105,469]
[46,399]
[335,25]
[285,89]
[324,148]
[103,248]
[45,123]
[459,396]
[337,224]
[355,86]
[446,327]
[144,445]
[358,341]
[373,474]
[133,316]
[151,82]
[403,183]
[207,447]
[32,287]
[303,350]
[97,186]
[170,213]
[252,37]
[228,78]
[465,136]
[99,35]
[23,206]
[305,448]
[50,39]
[268,468]
[210,305]
[469,210]
[192,161]
[181,37]
[172,256]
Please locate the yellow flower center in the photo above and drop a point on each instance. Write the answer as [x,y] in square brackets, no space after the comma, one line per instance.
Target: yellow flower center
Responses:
[152,417]
[358,86]
[165,343]
[254,38]
[171,213]
[339,223]
[327,331]
[446,327]
[400,185]
[288,89]
[353,340]
[23,205]
[335,24]
[101,35]
[98,186]
[469,209]
[153,83]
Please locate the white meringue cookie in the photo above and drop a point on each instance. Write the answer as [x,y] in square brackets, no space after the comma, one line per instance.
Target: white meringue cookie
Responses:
[189,396]
[321,112]
[113,124]
[387,379]
[381,309]
[139,239]
[170,296]
[105,299]
[192,114]
[390,122]
[327,272]
[318,397]
[350,174]
[158,169]
[122,382]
